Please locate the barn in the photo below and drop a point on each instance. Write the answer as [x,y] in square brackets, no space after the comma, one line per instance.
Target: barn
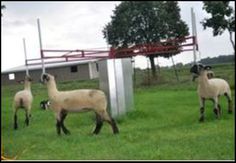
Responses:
[65,71]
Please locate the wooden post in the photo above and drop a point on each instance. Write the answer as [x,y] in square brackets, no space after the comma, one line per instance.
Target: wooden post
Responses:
[176,74]
[134,71]
[148,73]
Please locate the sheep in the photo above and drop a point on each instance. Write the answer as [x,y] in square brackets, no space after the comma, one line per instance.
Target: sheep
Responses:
[64,102]
[23,99]
[210,89]
[44,104]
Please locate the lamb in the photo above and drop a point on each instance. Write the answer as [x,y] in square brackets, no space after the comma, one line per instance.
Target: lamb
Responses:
[23,99]
[64,102]
[44,104]
[210,89]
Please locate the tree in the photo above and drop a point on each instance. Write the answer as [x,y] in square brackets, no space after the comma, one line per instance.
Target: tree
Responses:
[2,7]
[144,22]
[222,18]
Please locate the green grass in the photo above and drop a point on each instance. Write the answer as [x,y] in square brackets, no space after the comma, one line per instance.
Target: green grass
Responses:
[163,126]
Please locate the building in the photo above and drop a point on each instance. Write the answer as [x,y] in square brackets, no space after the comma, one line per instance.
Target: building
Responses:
[65,71]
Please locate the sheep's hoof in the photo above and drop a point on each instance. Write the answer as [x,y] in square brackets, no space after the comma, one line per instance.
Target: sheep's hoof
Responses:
[217,113]
[95,133]
[220,111]
[230,111]
[67,132]
[116,131]
[15,127]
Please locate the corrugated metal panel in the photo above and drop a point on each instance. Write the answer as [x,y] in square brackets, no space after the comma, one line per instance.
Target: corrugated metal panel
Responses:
[115,78]
[38,67]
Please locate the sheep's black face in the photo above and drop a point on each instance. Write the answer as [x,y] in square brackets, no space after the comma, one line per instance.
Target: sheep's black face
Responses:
[197,69]
[44,78]
[28,78]
[44,104]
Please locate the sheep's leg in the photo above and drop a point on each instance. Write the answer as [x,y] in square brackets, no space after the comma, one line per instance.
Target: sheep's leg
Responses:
[202,109]
[15,120]
[220,110]
[27,114]
[111,121]
[58,126]
[216,107]
[63,116]
[58,123]
[99,124]
[230,104]
[60,117]
[114,126]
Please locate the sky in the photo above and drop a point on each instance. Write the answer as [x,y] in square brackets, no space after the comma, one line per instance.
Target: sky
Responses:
[78,25]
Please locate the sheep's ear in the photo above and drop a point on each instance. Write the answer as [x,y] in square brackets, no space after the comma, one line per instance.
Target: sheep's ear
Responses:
[46,77]
[207,67]
[200,65]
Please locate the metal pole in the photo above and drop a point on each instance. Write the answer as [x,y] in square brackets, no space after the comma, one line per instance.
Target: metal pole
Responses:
[195,28]
[194,34]
[40,45]
[27,70]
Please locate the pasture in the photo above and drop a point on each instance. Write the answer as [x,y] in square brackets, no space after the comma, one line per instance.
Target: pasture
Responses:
[163,126]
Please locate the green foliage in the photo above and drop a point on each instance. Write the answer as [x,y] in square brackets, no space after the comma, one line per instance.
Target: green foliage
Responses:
[166,79]
[137,22]
[222,16]
[142,22]
[2,7]
[218,60]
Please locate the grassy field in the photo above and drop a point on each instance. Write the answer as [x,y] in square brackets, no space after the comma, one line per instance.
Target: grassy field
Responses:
[163,126]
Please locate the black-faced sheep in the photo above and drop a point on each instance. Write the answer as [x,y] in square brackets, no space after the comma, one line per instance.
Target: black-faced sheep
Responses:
[44,104]
[23,99]
[63,102]
[210,89]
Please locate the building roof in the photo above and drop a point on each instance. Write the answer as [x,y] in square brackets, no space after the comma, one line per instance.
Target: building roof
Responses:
[51,65]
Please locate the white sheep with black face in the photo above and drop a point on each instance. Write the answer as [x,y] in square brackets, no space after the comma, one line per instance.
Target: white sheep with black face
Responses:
[23,99]
[210,89]
[80,100]
[44,104]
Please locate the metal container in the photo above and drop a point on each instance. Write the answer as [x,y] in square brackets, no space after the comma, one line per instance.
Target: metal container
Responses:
[115,79]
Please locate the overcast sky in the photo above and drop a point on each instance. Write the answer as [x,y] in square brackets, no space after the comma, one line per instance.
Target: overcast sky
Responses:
[78,25]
